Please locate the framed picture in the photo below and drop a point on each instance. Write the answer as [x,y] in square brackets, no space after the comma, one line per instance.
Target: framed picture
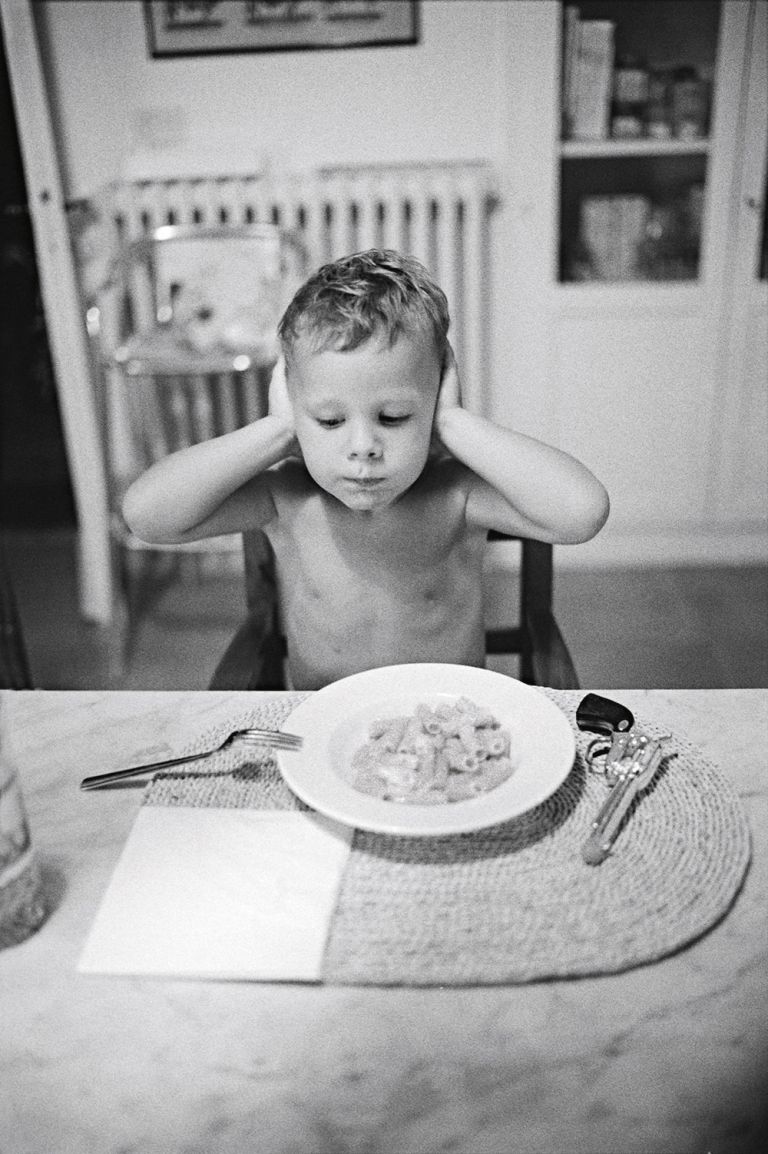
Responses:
[200,27]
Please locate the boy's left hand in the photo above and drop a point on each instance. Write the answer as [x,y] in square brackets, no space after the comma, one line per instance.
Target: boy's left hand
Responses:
[279,403]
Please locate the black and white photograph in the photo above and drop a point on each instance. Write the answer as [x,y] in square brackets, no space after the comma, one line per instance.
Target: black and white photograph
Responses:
[383,576]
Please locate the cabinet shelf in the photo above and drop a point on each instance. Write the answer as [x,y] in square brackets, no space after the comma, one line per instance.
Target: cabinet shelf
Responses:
[605,149]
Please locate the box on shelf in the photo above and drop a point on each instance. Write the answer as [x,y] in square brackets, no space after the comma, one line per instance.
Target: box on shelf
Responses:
[587,76]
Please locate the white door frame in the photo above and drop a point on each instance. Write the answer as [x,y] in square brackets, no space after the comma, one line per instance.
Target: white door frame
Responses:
[61,303]
[742,414]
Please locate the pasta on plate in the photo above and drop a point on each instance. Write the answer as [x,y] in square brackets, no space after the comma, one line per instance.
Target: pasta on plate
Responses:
[442,753]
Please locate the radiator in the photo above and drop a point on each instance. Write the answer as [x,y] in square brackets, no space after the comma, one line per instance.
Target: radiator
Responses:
[437,213]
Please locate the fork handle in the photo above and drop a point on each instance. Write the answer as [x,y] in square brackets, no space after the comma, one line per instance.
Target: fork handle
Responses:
[100,779]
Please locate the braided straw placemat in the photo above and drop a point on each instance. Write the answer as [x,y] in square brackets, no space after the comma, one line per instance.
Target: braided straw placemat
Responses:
[516,902]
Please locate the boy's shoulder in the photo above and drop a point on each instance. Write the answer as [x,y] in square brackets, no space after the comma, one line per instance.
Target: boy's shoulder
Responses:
[442,490]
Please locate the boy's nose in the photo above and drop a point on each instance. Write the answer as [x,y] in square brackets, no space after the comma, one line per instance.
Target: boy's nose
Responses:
[372,453]
[363,444]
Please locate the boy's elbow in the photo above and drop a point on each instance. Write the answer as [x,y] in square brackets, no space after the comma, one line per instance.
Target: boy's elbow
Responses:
[591,517]
[586,518]
[132,512]
[137,514]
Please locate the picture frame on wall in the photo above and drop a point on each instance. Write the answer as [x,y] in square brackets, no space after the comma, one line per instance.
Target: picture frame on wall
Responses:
[207,27]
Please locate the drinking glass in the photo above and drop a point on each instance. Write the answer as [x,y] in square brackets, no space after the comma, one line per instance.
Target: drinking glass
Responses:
[22,905]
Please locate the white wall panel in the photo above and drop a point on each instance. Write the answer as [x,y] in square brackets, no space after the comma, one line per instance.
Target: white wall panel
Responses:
[630,398]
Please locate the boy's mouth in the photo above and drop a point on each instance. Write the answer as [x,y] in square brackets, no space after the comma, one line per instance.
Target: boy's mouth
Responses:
[364,482]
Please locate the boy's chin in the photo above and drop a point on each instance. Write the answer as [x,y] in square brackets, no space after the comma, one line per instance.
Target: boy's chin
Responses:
[367,501]
[373,499]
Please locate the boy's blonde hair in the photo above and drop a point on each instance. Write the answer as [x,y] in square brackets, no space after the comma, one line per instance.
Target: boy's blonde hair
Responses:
[367,294]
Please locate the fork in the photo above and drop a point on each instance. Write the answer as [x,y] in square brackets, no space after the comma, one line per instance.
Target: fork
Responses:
[272,738]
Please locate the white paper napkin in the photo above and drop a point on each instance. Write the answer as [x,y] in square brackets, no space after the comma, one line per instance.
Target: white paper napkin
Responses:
[221,894]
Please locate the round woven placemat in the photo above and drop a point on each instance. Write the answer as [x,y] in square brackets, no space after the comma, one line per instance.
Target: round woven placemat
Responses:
[516,902]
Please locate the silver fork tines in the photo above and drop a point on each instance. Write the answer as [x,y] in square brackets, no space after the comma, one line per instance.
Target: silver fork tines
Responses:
[631,764]
[272,738]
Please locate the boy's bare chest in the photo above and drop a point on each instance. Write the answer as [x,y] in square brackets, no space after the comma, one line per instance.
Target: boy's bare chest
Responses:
[407,546]
[359,592]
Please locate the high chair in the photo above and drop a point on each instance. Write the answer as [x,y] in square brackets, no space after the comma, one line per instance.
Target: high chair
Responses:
[254,658]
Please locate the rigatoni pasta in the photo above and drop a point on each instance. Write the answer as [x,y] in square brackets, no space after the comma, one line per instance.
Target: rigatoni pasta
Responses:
[447,752]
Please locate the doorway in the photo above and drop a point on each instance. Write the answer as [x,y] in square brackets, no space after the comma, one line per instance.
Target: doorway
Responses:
[35,487]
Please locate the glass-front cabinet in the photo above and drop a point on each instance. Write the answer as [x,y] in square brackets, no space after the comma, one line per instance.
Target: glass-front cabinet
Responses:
[637,334]
[638,86]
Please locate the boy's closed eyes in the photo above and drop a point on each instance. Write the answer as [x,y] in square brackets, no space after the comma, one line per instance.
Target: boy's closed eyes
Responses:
[386,419]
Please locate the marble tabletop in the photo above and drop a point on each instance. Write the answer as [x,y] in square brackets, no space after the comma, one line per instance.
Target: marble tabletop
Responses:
[667,1057]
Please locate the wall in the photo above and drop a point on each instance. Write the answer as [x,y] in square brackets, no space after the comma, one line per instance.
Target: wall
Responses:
[481,84]
[117,111]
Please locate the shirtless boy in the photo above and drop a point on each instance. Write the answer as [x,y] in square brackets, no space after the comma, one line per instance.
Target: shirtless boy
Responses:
[374,486]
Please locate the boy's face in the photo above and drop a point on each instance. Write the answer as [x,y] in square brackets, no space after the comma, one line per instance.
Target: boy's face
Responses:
[364,417]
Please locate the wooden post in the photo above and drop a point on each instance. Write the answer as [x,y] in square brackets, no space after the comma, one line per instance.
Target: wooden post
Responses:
[61,302]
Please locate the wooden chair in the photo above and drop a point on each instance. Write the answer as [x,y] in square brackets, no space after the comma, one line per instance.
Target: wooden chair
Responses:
[254,657]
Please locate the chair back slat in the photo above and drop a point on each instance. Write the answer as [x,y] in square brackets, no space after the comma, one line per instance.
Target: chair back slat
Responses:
[14,666]
[536,576]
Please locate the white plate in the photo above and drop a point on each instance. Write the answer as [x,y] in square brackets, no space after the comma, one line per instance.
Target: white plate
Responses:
[334,723]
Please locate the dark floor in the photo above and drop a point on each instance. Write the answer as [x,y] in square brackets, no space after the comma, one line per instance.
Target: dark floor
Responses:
[653,628]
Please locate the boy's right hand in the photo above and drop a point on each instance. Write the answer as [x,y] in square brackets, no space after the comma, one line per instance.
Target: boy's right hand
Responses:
[279,403]
[448,398]
[449,395]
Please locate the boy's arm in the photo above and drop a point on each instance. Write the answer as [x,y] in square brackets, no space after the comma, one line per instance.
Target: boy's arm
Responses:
[522,486]
[216,487]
